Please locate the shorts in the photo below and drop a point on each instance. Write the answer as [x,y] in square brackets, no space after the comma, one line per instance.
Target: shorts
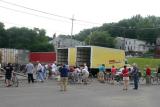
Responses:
[125,78]
[101,75]
[8,77]
[86,75]
[113,76]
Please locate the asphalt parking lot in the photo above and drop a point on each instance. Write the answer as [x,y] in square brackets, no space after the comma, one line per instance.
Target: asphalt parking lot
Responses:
[47,94]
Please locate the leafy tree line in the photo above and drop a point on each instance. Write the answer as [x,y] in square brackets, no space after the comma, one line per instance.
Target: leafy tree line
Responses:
[34,40]
[137,27]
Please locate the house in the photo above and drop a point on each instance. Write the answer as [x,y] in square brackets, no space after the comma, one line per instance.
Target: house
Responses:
[131,45]
[157,49]
[63,42]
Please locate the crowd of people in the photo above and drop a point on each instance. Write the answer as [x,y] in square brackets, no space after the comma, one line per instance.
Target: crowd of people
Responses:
[80,74]
[40,72]
[128,74]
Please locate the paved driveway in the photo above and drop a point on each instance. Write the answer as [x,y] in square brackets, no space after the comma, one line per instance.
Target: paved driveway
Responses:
[93,95]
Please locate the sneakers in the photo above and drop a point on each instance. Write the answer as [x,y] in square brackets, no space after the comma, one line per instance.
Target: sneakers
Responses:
[135,88]
[125,89]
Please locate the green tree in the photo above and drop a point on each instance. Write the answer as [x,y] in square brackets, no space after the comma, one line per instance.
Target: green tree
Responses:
[3,37]
[100,39]
[31,39]
[136,27]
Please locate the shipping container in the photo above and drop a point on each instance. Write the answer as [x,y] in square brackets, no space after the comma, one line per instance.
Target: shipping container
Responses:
[8,55]
[22,57]
[13,56]
[95,56]
[66,56]
[43,57]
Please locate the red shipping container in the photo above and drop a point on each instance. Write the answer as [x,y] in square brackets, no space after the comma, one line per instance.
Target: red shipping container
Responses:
[43,57]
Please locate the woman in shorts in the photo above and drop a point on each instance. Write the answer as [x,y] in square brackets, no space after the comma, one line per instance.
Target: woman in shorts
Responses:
[8,74]
[125,74]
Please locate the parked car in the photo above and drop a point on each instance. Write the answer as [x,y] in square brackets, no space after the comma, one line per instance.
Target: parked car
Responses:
[119,72]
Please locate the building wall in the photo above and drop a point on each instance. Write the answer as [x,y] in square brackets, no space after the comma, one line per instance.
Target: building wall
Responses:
[59,42]
[128,44]
[157,51]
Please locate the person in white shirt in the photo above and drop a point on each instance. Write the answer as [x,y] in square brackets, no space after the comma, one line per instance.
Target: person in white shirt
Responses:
[46,71]
[78,74]
[54,68]
[85,73]
[30,70]
[85,67]
[40,72]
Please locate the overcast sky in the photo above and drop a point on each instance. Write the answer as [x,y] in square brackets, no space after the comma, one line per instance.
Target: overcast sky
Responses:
[88,13]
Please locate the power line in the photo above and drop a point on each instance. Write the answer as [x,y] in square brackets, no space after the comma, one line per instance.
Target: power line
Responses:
[72,19]
[34,9]
[60,16]
[23,12]
[48,13]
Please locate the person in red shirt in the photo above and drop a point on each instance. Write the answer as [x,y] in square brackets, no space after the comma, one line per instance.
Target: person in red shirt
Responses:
[125,74]
[148,75]
[113,73]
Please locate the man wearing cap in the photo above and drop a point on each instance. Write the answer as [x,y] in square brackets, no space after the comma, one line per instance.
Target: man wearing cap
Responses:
[135,72]
[64,78]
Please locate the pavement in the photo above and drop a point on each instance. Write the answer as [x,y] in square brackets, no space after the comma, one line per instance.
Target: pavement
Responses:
[96,94]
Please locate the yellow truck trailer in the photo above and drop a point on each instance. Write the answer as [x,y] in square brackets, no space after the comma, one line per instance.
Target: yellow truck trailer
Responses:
[94,56]
[66,56]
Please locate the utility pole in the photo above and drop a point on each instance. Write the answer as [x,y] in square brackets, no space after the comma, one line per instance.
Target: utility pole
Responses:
[90,38]
[72,19]
[54,42]
[124,39]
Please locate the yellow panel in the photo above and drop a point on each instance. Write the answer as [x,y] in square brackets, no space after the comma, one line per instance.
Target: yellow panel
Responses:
[107,56]
[72,56]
